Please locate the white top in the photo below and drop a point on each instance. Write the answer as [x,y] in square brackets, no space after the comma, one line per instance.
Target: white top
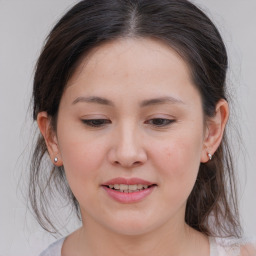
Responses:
[218,247]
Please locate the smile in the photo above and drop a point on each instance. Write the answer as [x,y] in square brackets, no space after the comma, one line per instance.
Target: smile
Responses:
[124,188]
[128,190]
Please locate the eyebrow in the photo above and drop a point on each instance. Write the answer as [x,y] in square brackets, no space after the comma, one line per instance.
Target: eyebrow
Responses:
[93,99]
[161,100]
[144,103]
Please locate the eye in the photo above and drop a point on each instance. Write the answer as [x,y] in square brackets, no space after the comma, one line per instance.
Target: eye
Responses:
[160,122]
[96,122]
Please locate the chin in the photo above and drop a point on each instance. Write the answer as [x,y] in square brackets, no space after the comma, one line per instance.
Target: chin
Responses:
[133,225]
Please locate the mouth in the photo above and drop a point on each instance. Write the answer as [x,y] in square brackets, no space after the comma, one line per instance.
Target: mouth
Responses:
[131,190]
[125,188]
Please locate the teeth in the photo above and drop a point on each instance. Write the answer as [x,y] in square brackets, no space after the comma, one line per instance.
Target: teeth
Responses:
[116,186]
[139,186]
[124,187]
[133,187]
[128,188]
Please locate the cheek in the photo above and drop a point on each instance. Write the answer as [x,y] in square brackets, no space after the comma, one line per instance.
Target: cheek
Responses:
[82,157]
[79,157]
[178,163]
[180,156]
[82,160]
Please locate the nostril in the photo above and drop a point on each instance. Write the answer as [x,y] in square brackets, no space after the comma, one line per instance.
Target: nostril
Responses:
[132,164]
[127,156]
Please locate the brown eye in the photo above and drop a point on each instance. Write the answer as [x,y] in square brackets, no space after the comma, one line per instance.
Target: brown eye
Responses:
[96,122]
[159,122]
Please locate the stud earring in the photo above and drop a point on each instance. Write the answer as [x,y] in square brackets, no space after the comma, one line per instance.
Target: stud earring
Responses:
[55,160]
[210,156]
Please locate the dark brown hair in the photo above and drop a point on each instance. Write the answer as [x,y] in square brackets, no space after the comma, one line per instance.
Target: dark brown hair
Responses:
[212,205]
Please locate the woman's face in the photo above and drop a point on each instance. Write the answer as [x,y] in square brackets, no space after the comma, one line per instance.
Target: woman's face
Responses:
[131,119]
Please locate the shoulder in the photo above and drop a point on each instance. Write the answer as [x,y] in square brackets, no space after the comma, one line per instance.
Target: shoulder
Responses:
[54,249]
[233,247]
[249,248]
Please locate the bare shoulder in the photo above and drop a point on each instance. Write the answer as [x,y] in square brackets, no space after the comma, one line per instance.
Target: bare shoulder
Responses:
[248,249]
[71,243]
[233,246]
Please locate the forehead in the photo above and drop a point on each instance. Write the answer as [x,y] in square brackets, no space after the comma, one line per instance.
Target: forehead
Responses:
[131,56]
[135,67]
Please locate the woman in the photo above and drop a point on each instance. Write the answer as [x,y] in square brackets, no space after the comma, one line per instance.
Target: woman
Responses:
[130,99]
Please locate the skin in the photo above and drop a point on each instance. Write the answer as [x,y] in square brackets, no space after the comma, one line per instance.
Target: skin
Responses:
[162,142]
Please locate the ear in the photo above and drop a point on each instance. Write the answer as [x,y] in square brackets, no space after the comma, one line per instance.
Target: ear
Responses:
[215,127]
[44,124]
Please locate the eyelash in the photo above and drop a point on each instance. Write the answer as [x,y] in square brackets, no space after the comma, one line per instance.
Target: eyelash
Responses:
[164,122]
[96,122]
[102,122]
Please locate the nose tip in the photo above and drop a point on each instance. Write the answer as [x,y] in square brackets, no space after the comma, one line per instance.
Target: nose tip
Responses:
[128,164]
[128,153]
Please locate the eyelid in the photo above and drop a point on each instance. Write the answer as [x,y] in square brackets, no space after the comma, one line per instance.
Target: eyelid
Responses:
[162,122]
[161,116]
[162,119]
[96,122]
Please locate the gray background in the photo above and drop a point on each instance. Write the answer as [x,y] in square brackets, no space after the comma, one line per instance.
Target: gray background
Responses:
[23,28]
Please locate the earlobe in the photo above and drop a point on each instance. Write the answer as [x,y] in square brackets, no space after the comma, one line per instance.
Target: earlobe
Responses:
[215,130]
[44,124]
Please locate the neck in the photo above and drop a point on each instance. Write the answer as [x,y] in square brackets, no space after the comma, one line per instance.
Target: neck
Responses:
[172,239]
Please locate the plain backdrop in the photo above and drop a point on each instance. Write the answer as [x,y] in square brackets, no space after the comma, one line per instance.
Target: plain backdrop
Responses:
[24,25]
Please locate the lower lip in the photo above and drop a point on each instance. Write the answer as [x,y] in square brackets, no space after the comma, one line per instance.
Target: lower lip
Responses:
[127,198]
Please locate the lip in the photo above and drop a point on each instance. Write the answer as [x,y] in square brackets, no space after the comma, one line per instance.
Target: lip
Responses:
[128,198]
[131,181]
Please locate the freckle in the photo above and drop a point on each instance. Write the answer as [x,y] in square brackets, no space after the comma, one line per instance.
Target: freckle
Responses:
[126,75]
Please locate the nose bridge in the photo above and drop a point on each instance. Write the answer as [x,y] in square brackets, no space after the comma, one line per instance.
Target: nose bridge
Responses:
[127,135]
[128,148]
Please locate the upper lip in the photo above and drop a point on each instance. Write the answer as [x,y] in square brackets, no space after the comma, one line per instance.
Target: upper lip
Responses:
[130,181]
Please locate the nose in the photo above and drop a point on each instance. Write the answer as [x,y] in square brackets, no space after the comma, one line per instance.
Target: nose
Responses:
[127,148]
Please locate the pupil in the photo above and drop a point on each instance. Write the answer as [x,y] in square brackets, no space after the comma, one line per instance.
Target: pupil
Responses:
[97,122]
[159,121]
